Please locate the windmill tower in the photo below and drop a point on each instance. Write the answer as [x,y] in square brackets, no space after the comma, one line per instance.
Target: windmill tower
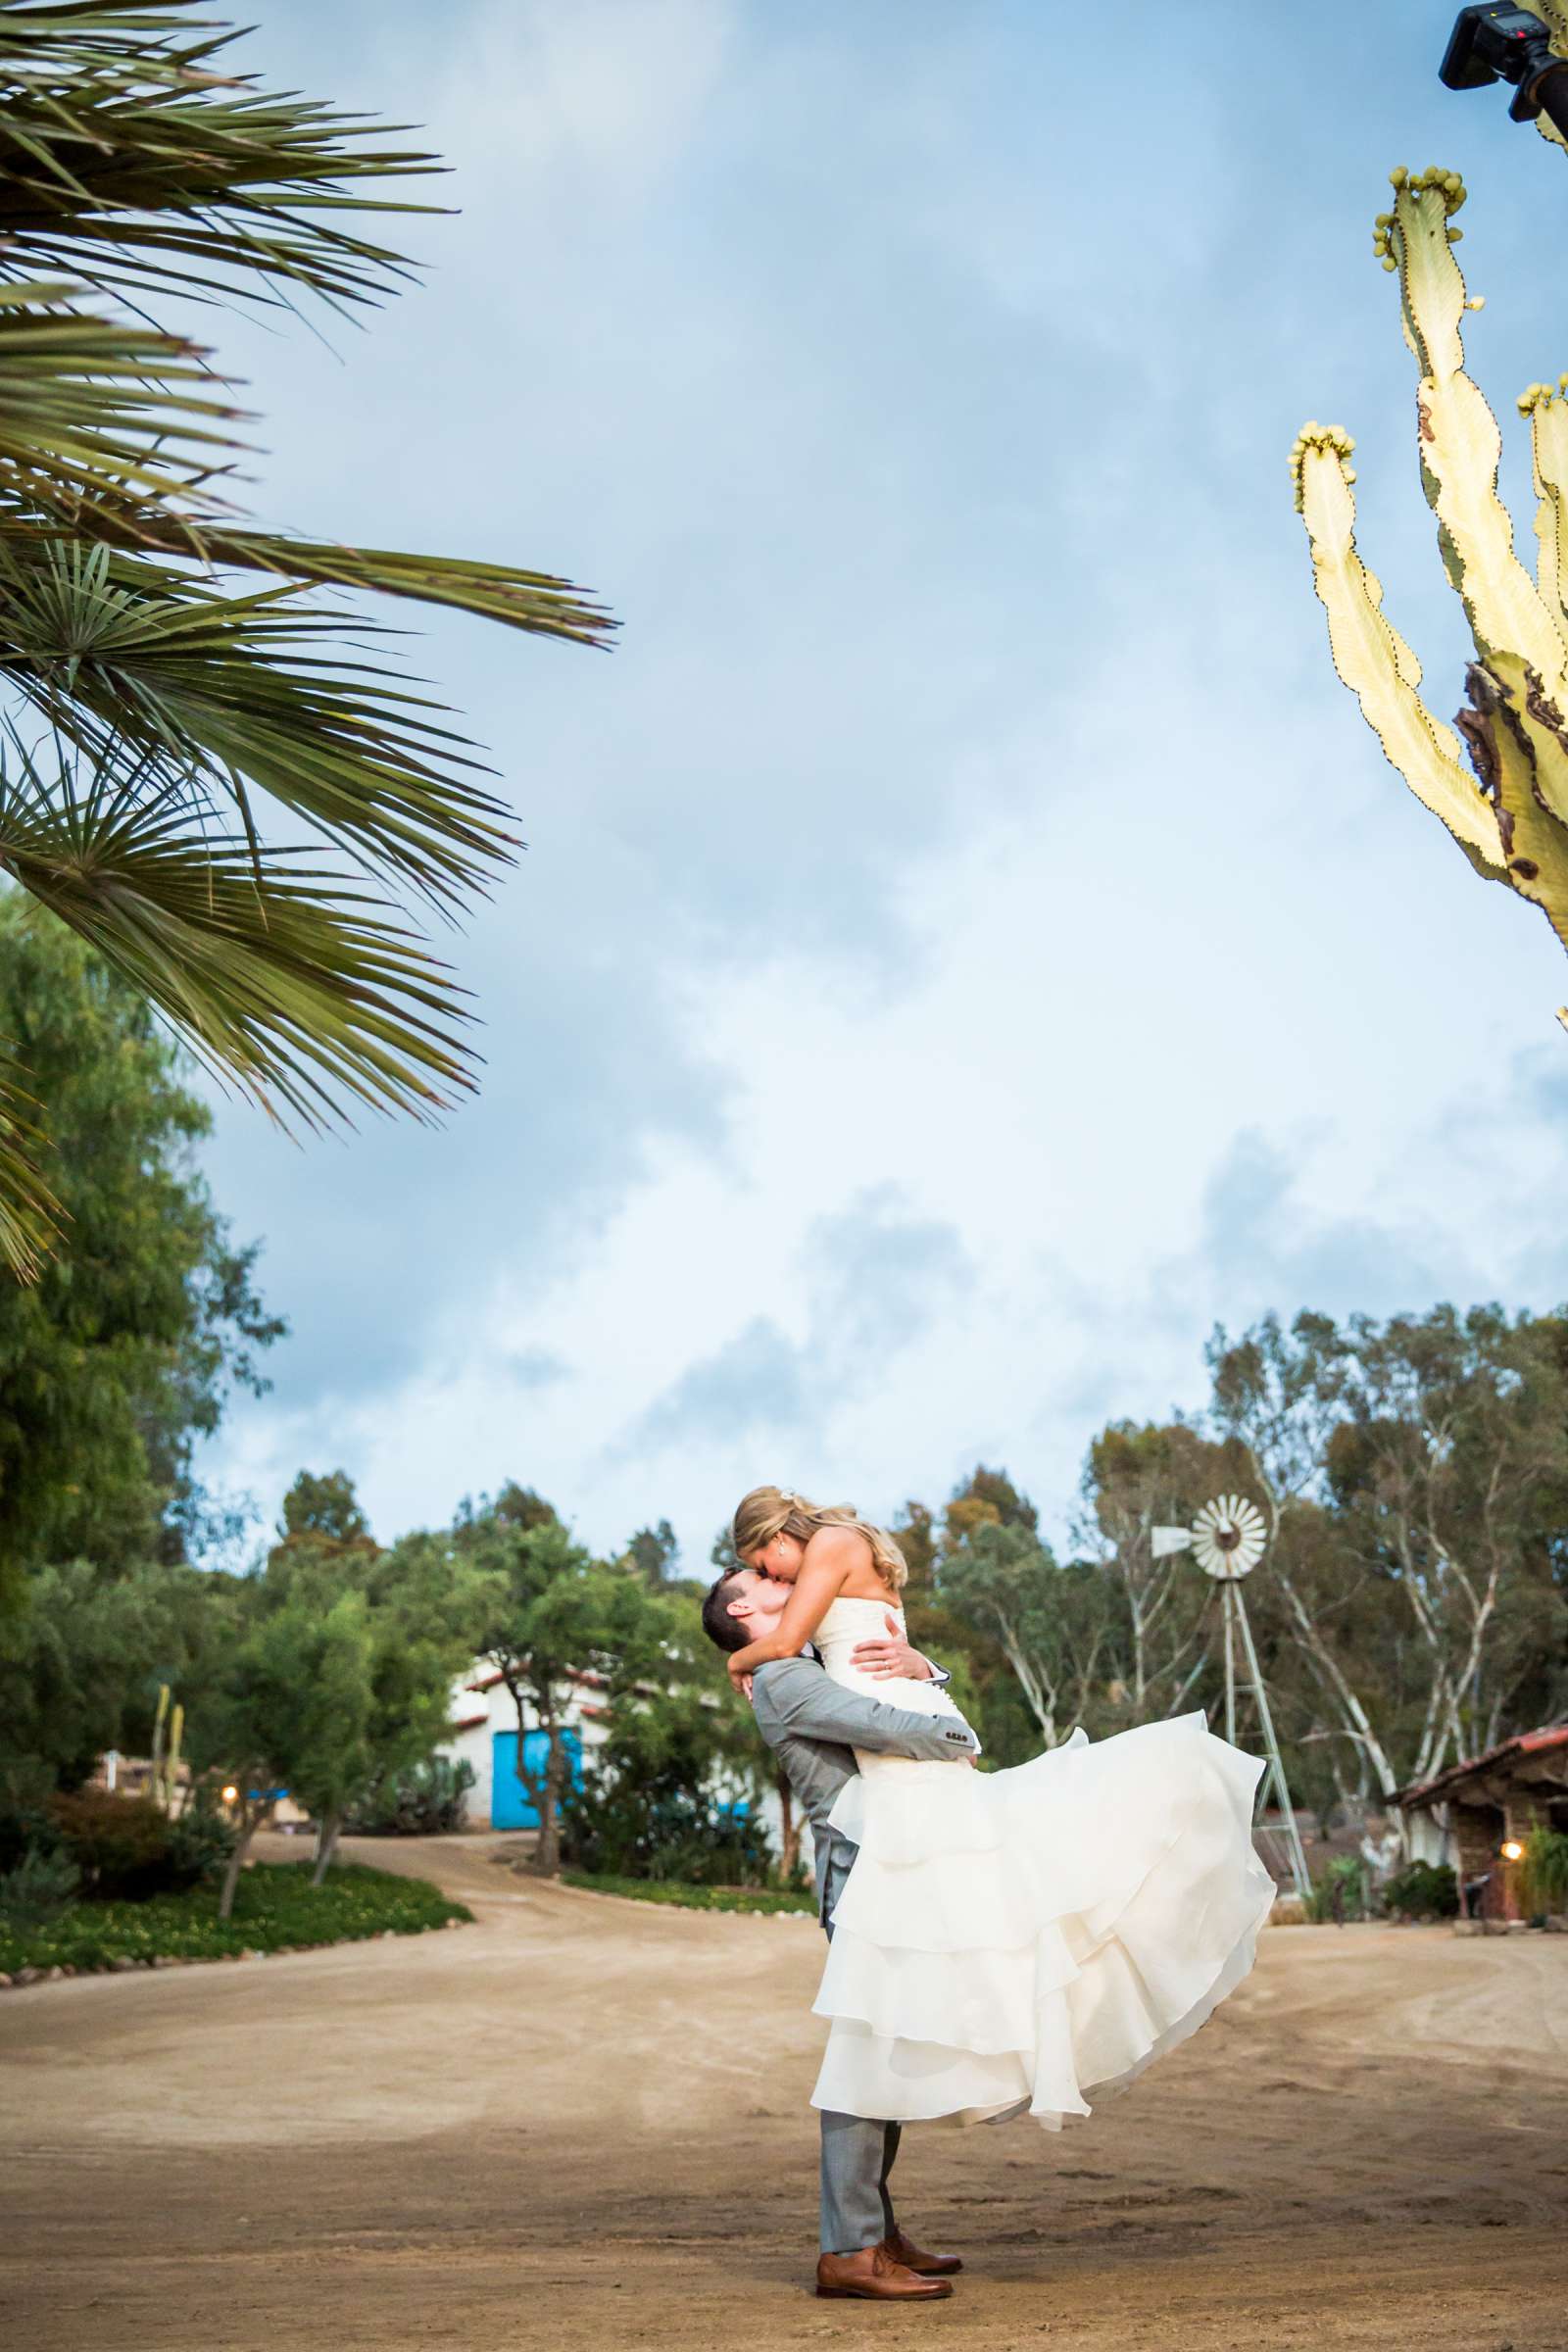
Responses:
[1227,1539]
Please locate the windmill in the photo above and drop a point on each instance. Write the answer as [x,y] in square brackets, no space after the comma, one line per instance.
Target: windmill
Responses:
[1227,1539]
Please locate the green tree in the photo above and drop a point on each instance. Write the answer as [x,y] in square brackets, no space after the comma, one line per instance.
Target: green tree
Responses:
[1415,1473]
[420,1609]
[1136,1478]
[287,1707]
[987,1497]
[1059,1627]
[186,674]
[672,1791]
[310,1687]
[1447,1479]
[79,1670]
[555,1617]
[984,1683]
[653,1554]
[120,1357]
[324,1510]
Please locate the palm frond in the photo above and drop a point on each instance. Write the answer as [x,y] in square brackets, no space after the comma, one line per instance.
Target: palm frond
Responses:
[277,977]
[114,432]
[134,163]
[98,409]
[31,1218]
[225,694]
[127,156]
[541,602]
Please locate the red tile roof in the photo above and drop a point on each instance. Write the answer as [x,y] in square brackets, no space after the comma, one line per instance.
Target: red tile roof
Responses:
[585,1681]
[1523,1744]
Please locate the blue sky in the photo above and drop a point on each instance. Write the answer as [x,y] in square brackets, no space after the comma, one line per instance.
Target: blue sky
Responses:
[969,941]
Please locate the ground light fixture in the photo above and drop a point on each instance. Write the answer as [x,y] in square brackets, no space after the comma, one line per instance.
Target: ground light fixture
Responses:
[1513,1850]
[1227,1539]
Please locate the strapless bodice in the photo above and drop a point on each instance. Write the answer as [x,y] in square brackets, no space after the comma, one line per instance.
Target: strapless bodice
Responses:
[846,1625]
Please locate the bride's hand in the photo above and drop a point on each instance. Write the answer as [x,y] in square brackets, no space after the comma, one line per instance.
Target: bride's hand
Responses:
[891,1655]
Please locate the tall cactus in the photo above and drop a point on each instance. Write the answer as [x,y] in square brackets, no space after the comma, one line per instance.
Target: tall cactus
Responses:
[155,1767]
[1508,806]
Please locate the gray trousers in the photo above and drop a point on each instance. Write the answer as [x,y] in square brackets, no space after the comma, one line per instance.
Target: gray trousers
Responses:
[857,2155]
[856,2159]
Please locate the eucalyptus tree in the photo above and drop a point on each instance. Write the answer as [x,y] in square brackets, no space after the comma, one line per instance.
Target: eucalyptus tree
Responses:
[1136,1478]
[985,1682]
[1059,1625]
[1452,1480]
[1415,1475]
[211,771]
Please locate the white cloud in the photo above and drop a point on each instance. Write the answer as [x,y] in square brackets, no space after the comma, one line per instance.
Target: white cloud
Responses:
[969,823]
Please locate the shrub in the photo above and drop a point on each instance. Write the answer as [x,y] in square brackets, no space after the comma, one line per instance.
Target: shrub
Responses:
[421,1801]
[200,1843]
[275,1909]
[1343,1891]
[119,1844]
[613,1826]
[24,1829]
[40,1886]
[1423,1891]
[1545,1875]
[127,1850]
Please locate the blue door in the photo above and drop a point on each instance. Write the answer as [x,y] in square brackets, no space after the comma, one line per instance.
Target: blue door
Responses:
[510,1806]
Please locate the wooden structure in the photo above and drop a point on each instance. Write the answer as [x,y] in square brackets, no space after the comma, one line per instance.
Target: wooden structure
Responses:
[1472,1813]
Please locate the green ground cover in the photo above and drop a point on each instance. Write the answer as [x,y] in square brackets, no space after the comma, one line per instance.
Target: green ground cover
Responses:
[275,1909]
[691,1898]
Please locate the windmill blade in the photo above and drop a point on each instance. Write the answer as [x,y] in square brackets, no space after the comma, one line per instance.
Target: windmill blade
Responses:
[1164,1541]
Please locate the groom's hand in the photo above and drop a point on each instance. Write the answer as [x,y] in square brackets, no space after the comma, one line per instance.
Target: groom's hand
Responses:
[890,1657]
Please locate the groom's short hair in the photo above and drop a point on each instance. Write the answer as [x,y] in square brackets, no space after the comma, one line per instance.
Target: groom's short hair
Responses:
[718,1623]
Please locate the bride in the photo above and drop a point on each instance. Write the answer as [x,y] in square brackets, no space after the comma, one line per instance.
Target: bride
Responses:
[1006,1941]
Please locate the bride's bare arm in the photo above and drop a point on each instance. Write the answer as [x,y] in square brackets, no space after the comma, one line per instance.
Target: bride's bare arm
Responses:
[820,1582]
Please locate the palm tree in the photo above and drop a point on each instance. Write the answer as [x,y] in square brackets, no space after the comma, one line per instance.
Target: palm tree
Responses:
[182,680]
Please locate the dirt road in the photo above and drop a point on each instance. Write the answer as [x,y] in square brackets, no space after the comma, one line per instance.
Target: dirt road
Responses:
[583,2124]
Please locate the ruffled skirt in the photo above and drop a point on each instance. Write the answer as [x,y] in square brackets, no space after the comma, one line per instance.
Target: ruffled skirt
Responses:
[1009,1942]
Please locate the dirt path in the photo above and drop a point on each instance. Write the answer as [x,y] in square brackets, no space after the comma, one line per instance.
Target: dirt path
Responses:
[584,2124]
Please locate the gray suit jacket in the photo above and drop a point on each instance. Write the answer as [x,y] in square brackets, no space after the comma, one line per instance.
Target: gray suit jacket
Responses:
[814,1726]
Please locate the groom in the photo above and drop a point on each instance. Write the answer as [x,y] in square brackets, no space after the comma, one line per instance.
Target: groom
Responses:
[814,1726]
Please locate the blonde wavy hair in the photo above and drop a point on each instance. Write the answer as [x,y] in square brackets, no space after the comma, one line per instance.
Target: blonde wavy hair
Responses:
[769,1511]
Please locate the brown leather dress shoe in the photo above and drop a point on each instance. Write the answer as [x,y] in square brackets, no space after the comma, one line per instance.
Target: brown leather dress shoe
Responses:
[926,2266]
[874,2276]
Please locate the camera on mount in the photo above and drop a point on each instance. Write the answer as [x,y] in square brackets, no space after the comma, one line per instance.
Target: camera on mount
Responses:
[1508,44]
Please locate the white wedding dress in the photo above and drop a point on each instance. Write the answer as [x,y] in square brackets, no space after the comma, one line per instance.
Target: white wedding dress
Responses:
[1008,1942]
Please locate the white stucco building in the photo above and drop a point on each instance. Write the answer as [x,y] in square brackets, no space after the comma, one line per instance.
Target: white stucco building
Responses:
[484,1736]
